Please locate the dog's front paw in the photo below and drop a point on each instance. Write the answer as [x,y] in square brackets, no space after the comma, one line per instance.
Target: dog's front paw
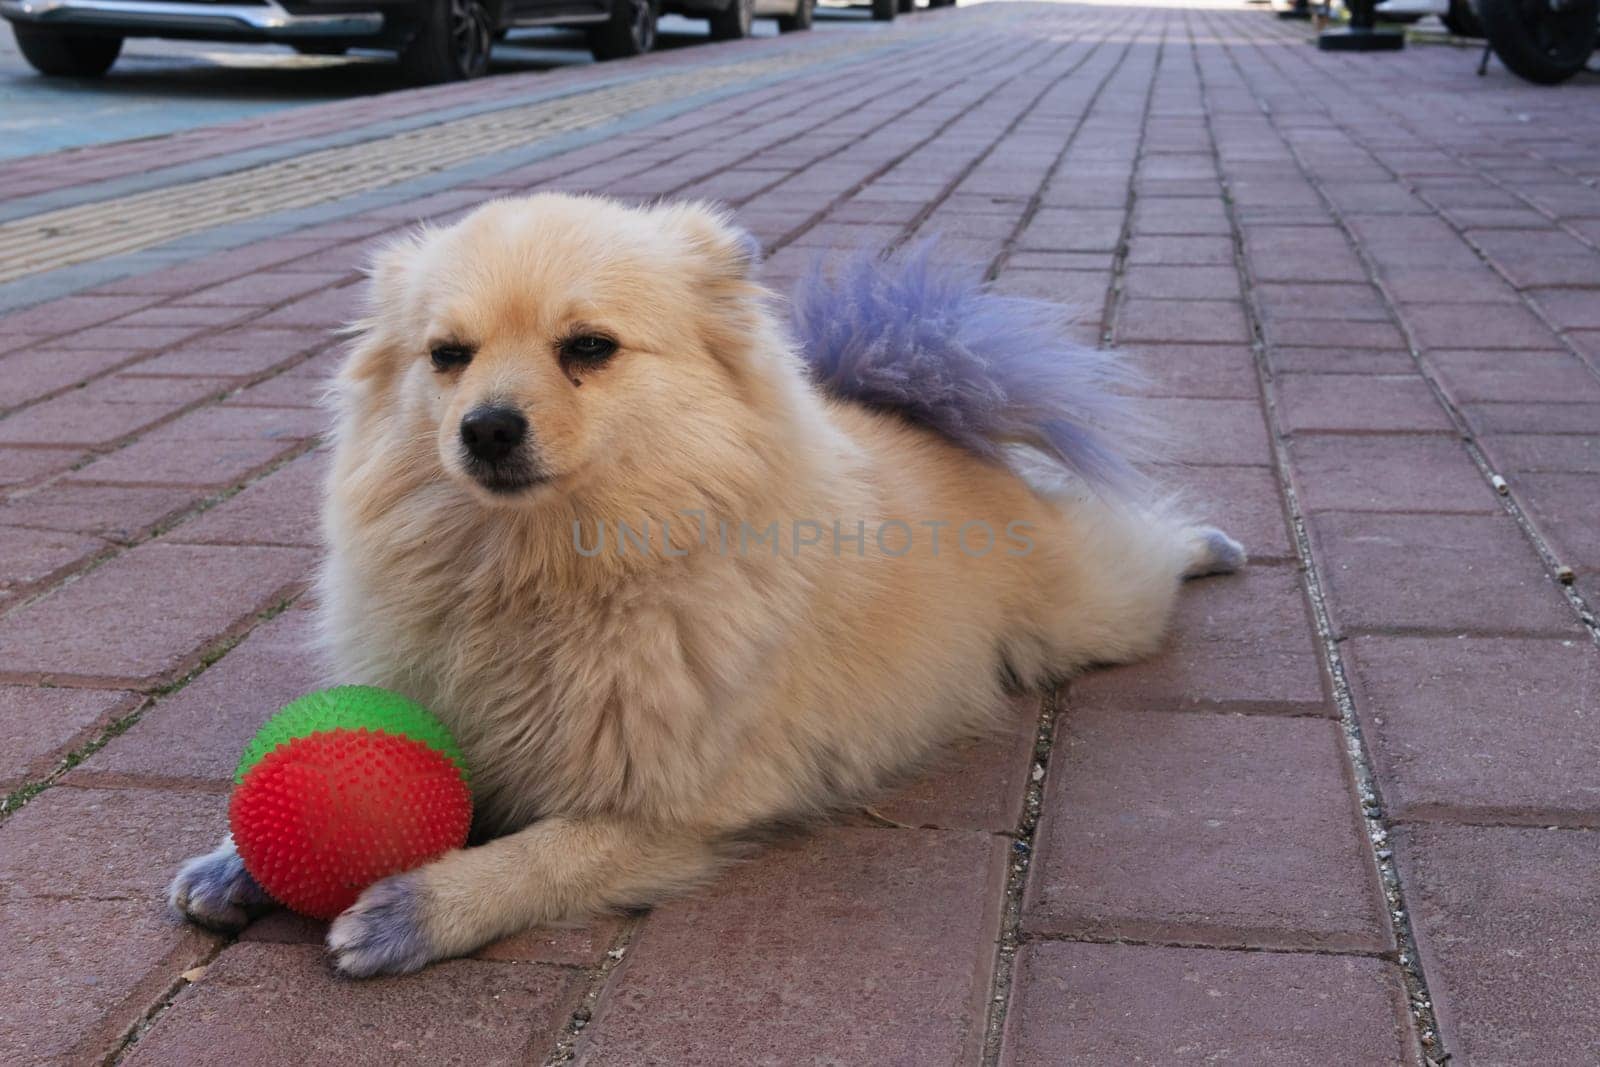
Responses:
[382,932]
[216,891]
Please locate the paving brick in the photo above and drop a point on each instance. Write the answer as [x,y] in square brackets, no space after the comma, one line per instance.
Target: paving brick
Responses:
[1182,283]
[1215,371]
[1478,375]
[30,558]
[1332,333]
[256,290]
[1532,452]
[197,733]
[22,465]
[146,615]
[1126,1004]
[244,422]
[106,843]
[29,375]
[976,784]
[283,1004]
[1073,230]
[38,725]
[805,933]
[330,308]
[130,339]
[71,421]
[1359,402]
[1180,215]
[1242,641]
[1387,472]
[1498,326]
[1563,508]
[1082,292]
[181,315]
[1570,308]
[1290,360]
[1180,251]
[1186,321]
[281,509]
[117,513]
[574,946]
[1434,573]
[1225,830]
[1198,431]
[235,354]
[153,461]
[1504,918]
[1532,418]
[1301,254]
[1502,728]
[70,313]
[79,974]
[1243,501]
[1308,300]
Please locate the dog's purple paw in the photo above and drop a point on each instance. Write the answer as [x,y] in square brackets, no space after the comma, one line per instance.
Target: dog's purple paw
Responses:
[1213,552]
[216,891]
[381,933]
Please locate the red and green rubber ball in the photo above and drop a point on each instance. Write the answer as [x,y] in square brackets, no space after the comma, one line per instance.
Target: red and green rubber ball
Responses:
[342,788]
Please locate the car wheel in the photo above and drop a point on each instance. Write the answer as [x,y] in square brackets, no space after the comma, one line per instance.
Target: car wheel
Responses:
[1461,20]
[883,10]
[452,42]
[804,10]
[908,7]
[631,30]
[320,48]
[733,22]
[66,55]
[941,3]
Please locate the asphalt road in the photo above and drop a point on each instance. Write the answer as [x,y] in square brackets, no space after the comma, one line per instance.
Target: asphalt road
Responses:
[159,86]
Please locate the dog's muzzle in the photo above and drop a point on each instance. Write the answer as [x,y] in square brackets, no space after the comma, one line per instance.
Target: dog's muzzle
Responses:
[499,456]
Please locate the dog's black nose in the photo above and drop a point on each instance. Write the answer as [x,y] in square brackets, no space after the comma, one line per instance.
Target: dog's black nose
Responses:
[492,433]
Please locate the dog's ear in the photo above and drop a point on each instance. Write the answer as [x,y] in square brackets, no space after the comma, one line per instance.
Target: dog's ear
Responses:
[388,310]
[728,251]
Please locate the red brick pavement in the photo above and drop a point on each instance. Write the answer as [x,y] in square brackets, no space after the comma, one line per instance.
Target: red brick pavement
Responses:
[1348,816]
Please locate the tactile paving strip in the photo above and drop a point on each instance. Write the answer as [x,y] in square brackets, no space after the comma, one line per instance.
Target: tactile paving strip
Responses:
[85,232]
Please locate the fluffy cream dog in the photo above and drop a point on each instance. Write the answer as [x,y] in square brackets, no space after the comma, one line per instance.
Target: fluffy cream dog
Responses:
[672,578]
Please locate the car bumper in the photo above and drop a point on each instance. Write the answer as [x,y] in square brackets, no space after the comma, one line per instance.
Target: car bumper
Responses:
[253,21]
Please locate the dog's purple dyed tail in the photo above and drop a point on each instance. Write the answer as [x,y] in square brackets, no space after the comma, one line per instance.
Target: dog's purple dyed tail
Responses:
[935,345]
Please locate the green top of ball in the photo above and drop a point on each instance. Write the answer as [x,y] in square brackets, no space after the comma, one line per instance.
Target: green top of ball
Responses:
[351,707]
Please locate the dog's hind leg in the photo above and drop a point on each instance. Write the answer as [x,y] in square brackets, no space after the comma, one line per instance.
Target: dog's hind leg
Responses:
[559,869]
[1212,552]
[1106,591]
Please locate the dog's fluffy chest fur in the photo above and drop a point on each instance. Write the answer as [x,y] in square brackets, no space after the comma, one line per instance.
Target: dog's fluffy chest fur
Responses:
[572,686]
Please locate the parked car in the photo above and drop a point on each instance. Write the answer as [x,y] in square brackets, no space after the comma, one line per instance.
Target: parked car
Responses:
[437,40]
[1457,15]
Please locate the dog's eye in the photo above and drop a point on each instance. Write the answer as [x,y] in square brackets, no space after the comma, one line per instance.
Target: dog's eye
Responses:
[448,356]
[588,348]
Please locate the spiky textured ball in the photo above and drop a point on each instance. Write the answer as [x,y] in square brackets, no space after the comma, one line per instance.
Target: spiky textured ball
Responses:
[344,787]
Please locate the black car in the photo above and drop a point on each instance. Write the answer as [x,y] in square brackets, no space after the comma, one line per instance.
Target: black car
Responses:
[437,40]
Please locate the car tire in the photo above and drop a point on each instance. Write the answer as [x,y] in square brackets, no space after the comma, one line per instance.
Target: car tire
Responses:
[733,23]
[451,43]
[1461,20]
[631,30]
[319,48]
[60,54]
[1535,43]
[908,7]
[884,10]
[804,13]
[941,3]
